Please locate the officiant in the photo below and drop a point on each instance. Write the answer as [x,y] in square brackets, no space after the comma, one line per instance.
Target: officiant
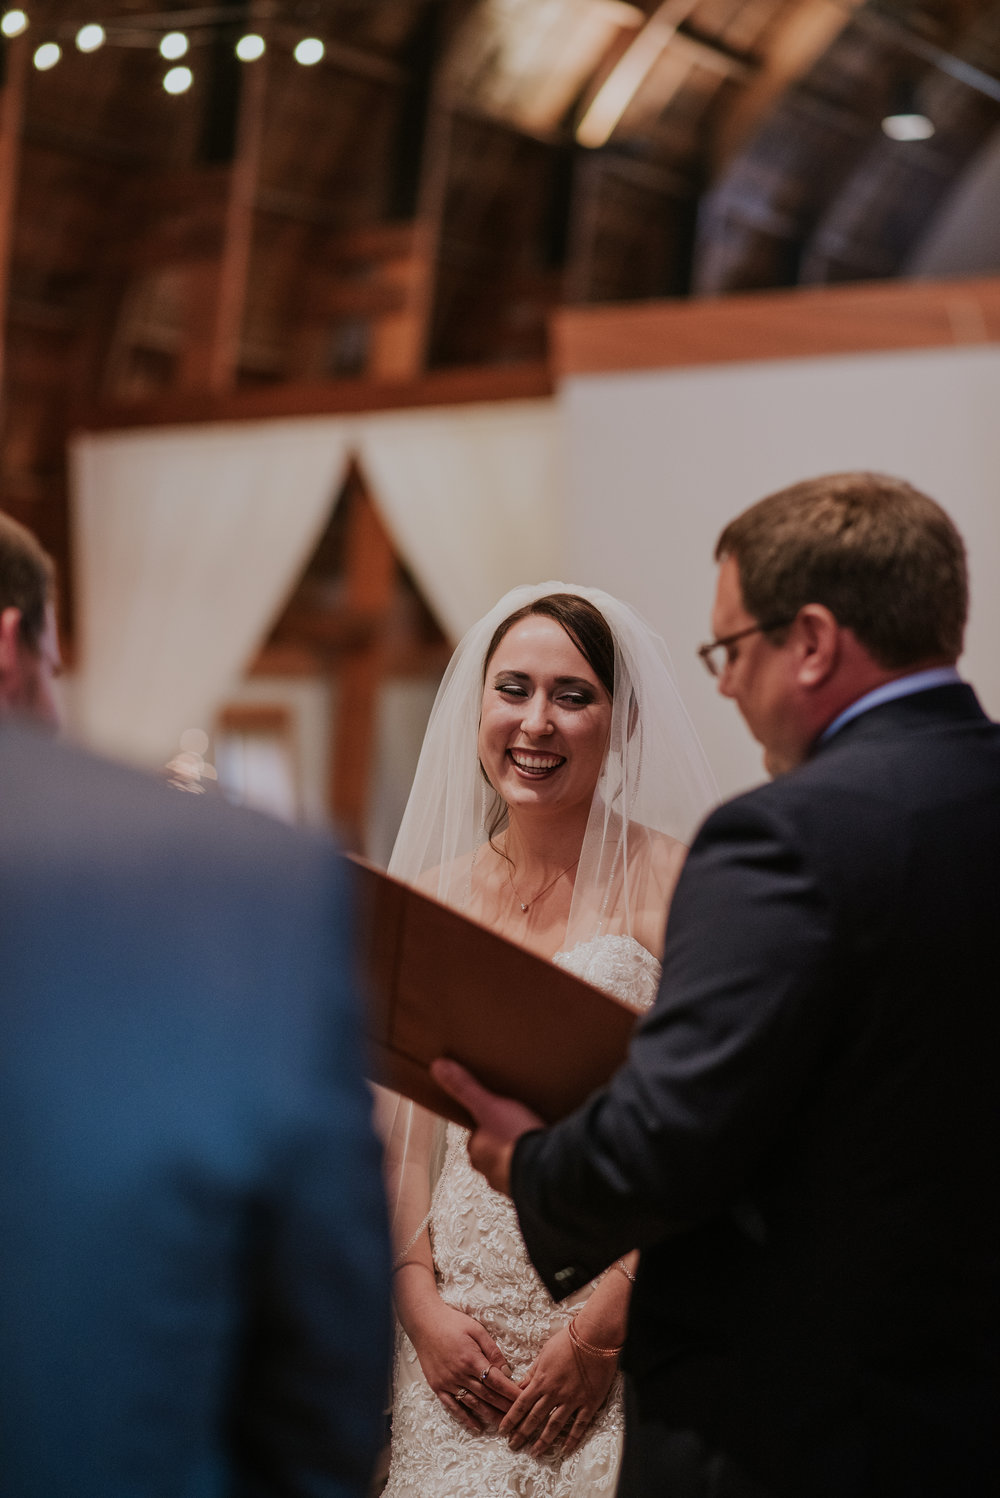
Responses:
[803,1140]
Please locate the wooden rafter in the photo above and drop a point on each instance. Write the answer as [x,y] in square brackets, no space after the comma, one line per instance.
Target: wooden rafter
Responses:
[800,324]
[448,387]
[218,287]
[12,94]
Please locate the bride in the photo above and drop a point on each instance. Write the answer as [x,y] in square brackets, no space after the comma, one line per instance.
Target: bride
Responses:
[558,775]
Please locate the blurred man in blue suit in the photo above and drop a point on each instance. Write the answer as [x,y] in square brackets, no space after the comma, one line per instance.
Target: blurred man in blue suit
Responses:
[193,1256]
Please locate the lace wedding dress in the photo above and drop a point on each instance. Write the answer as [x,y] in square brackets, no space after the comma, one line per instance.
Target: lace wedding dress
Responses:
[483,1270]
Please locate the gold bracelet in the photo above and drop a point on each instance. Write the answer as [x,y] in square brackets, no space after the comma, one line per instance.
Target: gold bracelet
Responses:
[626,1271]
[595,1352]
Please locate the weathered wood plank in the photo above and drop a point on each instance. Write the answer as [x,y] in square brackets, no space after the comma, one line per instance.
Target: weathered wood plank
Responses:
[447,387]
[13,88]
[807,322]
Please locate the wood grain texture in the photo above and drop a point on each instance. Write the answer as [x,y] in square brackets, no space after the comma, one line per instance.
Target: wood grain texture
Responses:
[802,323]
[12,96]
[448,387]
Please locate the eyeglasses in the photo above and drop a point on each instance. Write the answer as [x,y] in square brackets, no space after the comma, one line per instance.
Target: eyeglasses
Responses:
[715,654]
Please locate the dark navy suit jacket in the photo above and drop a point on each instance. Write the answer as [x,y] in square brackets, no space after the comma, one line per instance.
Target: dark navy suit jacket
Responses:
[193,1255]
[804,1139]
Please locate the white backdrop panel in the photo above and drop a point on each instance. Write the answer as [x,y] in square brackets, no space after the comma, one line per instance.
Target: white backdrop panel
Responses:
[473,497]
[187,542]
[660,460]
[189,539]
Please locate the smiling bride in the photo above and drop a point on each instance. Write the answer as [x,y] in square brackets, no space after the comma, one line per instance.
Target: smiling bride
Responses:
[557,780]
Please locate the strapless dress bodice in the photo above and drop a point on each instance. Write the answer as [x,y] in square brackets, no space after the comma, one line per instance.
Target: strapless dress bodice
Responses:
[620,965]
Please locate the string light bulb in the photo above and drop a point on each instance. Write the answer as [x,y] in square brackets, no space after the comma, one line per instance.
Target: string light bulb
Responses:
[904,119]
[908,126]
[309,51]
[173,46]
[47,55]
[178,80]
[250,47]
[89,38]
[13,22]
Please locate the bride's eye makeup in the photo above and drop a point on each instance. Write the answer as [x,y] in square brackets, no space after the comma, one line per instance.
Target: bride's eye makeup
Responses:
[575,694]
[510,686]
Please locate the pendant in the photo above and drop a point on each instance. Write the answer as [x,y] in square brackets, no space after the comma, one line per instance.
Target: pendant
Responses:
[523,906]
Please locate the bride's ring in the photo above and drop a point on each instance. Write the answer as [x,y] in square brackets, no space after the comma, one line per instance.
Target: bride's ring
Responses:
[461,1394]
[485,1374]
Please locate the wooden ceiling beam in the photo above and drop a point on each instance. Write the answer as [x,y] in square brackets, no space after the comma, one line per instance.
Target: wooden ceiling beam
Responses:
[13,86]
[800,38]
[804,323]
[446,387]
[715,56]
[610,100]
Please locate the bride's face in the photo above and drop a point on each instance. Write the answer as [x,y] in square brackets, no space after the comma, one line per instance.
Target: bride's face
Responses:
[545,719]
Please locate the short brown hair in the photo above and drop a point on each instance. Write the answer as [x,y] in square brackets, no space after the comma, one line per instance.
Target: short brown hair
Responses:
[27,578]
[885,559]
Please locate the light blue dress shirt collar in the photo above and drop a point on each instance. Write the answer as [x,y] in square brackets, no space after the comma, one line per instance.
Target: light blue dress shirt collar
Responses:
[903,686]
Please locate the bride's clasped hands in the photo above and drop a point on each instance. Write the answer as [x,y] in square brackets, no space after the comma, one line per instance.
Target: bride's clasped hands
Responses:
[559,1397]
[460,1360]
[554,1403]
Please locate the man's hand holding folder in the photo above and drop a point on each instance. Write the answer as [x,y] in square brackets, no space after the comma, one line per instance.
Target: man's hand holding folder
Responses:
[500,1121]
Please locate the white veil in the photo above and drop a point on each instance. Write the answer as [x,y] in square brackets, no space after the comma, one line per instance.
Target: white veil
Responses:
[655,771]
[655,780]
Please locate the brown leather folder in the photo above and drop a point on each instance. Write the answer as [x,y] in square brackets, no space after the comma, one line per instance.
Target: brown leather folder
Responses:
[440,985]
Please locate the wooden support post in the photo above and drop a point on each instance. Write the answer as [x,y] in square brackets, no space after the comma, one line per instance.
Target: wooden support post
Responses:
[13,88]
[370,579]
[431,195]
[399,339]
[217,288]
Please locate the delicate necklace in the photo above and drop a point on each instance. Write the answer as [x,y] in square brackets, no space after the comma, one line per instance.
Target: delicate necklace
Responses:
[526,904]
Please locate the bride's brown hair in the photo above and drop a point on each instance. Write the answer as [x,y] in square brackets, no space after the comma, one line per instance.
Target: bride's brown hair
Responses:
[582,621]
